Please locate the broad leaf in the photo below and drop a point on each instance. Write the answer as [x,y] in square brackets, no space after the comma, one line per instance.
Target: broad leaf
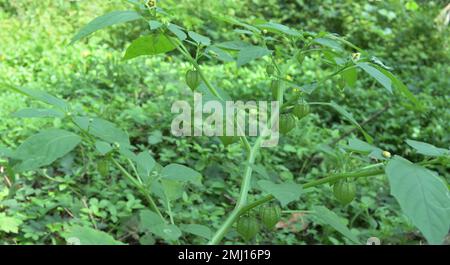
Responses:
[199,39]
[284,192]
[104,21]
[177,31]
[349,117]
[181,173]
[9,224]
[198,230]
[403,89]
[103,147]
[104,130]
[154,24]
[327,217]
[168,232]
[6,152]
[145,164]
[172,189]
[39,95]
[423,197]
[148,219]
[356,145]
[330,43]
[44,148]
[38,113]
[278,28]
[149,45]
[236,45]
[427,149]
[377,74]
[251,53]
[350,76]
[89,236]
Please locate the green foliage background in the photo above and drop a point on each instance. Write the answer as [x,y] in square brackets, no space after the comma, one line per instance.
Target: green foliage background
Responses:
[137,95]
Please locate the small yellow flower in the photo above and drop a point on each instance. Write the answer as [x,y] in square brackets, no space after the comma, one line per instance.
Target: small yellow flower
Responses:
[151,3]
[356,56]
[386,154]
[288,77]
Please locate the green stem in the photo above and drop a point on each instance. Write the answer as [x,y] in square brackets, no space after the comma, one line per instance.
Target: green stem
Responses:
[241,210]
[139,187]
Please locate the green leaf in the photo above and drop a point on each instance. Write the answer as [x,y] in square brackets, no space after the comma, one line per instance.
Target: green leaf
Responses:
[145,164]
[148,219]
[172,189]
[356,145]
[104,130]
[181,173]
[423,197]
[350,76]
[149,45]
[104,21]
[235,45]
[234,21]
[168,232]
[103,147]
[220,54]
[403,89]
[199,39]
[90,236]
[284,192]
[198,230]
[330,43]
[44,148]
[328,217]
[177,31]
[9,224]
[6,152]
[278,28]
[377,74]
[251,53]
[39,95]
[154,24]
[38,113]
[349,117]
[427,149]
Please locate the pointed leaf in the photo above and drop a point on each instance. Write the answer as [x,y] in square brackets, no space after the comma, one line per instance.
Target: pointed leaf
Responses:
[251,53]
[167,232]
[349,117]
[44,148]
[199,39]
[90,236]
[177,31]
[9,224]
[284,192]
[375,73]
[148,219]
[327,217]
[423,197]
[104,130]
[39,95]
[427,149]
[104,21]
[181,173]
[149,45]
[38,113]
[198,230]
